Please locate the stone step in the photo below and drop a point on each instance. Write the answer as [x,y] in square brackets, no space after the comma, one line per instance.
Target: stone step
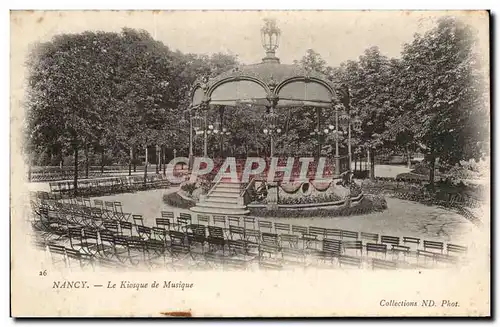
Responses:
[221,199]
[227,189]
[229,185]
[219,211]
[217,193]
[220,205]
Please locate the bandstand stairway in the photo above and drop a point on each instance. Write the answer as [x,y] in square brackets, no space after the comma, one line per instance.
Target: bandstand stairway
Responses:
[224,199]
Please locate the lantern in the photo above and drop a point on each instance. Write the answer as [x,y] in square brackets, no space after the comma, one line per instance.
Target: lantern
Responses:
[197,122]
[356,124]
[270,35]
[343,119]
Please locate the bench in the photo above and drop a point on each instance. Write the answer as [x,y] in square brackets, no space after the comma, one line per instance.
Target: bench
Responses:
[433,245]
[292,240]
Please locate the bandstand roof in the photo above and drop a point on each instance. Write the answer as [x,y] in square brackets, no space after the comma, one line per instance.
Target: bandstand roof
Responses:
[268,83]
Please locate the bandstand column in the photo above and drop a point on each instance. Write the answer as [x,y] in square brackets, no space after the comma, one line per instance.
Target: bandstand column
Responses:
[190,164]
[337,157]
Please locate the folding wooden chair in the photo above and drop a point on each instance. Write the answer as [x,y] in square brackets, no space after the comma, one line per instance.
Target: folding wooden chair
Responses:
[392,240]
[205,219]
[280,227]
[265,224]
[376,248]
[353,245]
[233,220]
[371,237]
[248,220]
[383,264]
[433,245]
[349,261]
[218,219]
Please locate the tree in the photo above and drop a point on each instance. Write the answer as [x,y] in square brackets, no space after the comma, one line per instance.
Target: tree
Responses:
[444,86]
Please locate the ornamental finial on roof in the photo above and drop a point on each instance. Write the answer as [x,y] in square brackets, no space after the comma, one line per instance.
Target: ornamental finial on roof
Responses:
[270,36]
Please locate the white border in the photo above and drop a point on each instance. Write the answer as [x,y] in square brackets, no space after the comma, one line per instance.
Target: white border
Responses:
[185,4]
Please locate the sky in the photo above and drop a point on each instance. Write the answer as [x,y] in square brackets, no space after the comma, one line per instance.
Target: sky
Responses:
[337,35]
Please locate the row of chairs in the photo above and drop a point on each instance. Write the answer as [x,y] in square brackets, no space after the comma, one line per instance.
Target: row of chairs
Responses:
[105,186]
[231,234]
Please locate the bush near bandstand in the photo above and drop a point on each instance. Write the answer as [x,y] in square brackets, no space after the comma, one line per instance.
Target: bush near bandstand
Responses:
[369,204]
[175,200]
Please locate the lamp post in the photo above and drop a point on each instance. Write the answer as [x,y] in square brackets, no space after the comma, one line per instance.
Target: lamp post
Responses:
[321,134]
[272,129]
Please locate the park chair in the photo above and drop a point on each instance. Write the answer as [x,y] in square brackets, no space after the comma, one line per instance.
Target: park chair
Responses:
[90,241]
[265,224]
[205,219]
[299,230]
[163,223]
[57,254]
[376,248]
[446,259]
[143,232]
[233,220]
[371,237]
[433,245]
[168,215]
[427,255]
[111,226]
[218,219]
[330,249]
[293,256]
[454,248]
[383,264]
[98,204]
[248,220]
[350,234]
[331,233]
[397,249]
[411,240]
[292,241]
[353,245]
[184,220]
[83,259]
[281,227]
[318,231]
[160,233]
[215,238]
[349,261]
[236,232]
[270,239]
[125,226]
[392,240]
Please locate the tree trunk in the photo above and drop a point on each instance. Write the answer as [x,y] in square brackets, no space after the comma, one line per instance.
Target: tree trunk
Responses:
[135,166]
[408,156]
[432,170]
[146,167]
[370,164]
[130,159]
[86,160]
[164,156]
[102,160]
[75,178]
[355,162]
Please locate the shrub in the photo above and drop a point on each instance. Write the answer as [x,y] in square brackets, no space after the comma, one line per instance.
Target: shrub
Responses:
[320,198]
[365,206]
[175,200]
[188,188]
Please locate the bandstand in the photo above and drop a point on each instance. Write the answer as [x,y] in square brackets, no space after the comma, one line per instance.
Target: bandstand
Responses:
[272,85]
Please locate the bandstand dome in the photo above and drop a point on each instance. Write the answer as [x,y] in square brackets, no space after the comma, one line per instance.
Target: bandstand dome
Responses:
[268,83]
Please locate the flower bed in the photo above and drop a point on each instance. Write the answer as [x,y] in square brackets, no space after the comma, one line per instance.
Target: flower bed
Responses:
[177,201]
[368,204]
